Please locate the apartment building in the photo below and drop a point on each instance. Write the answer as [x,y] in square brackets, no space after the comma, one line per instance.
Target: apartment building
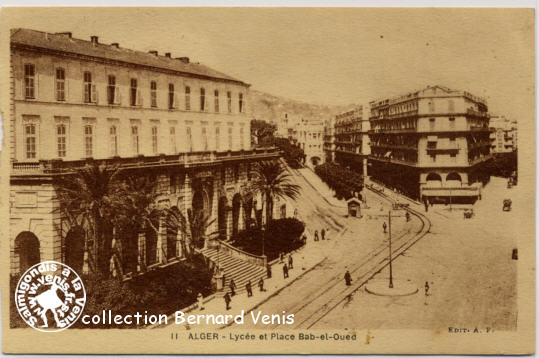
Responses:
[503,135]
[431,144]
[352,139]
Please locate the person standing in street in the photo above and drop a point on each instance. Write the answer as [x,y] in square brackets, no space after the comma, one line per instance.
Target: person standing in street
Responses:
[316,235]
[232,288]
[281,257]
[348,278]
[323,234]
[384,225]
[261,284]
[268,270]
[285,271]
[290,262]
[407,216]
[249,289]
[200,300]
[227,300]
[427,287]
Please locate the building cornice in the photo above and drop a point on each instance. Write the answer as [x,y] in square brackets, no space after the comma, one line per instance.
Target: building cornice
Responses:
[107,61]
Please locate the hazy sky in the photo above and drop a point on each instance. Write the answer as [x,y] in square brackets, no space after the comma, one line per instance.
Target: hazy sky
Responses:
[330,56]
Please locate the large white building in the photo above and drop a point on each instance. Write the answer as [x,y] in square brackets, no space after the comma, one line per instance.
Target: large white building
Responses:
[503,135]
[76,101]
[431,144]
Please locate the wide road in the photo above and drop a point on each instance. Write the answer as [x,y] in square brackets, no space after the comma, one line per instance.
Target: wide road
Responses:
[361,247]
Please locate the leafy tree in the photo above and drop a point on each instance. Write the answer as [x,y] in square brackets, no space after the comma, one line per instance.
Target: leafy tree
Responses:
[293,154]
[263,132]
[89,197]
[271,180]
[343,181]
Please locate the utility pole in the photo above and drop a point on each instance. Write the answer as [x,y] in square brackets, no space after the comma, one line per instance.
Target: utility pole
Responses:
[390,259]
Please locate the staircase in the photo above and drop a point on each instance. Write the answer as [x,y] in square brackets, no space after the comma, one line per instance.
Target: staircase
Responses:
[234,268]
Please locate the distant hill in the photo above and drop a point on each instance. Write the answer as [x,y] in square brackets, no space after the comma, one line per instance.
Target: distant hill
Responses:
[271,108]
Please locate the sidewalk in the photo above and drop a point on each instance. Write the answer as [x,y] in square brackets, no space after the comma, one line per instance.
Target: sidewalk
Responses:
[304,260]
[321,187]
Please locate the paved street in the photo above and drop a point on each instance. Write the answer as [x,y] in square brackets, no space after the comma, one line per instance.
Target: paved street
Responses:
[454,248]
[361,249]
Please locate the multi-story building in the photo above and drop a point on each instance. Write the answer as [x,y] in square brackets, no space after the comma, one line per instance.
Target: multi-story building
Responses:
[75,101]
[352,140]
[503,135]
[431,144]
[329,139]
[309,137]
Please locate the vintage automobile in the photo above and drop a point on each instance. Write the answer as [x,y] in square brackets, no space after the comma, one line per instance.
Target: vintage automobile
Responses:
[507,204]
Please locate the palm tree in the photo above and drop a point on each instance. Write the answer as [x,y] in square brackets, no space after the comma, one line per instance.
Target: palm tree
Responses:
[88,197]
[199,222]
[271,180]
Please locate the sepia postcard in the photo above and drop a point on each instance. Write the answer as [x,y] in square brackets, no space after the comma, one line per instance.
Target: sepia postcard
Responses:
[213,180]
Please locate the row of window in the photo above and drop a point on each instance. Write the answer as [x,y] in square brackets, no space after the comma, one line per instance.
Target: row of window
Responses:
[90,94]
[30,140]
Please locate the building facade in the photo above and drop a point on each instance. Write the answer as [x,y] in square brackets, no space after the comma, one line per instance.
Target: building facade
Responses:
[74,102]
[329,139]
[503,135]
[352,139]
[309,137]
[431,144]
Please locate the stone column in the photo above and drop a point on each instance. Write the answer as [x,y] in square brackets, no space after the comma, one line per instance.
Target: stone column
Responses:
[214,208]
[141,258]
[161,242]
[228,214]
[179,249]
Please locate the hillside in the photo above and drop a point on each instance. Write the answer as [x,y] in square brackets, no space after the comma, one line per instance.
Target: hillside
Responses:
[271,108]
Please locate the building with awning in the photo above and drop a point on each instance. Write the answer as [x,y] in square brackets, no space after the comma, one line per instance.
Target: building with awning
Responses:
[431,144]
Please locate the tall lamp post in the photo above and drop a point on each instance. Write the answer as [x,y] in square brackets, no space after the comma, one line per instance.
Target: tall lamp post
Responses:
[390,259]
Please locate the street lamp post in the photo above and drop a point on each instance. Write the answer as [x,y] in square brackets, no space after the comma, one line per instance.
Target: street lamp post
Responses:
[390,259]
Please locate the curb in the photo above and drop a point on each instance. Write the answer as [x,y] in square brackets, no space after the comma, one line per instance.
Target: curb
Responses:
[278,291]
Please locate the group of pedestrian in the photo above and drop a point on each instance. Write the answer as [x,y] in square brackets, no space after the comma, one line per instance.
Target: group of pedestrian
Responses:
[322,234]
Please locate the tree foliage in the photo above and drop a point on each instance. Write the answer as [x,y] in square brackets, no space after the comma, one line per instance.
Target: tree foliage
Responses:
[283,235]
[293,154]
[343,181]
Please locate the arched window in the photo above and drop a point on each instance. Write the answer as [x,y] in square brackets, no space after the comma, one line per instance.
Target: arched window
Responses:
[453,177]
[27,248]
[74,249]
[434,178]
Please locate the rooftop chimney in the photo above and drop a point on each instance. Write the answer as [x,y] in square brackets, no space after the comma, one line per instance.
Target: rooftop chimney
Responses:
[68,34]
[115,44]
[153,52]
[183,59]
[167,54]
[94,40]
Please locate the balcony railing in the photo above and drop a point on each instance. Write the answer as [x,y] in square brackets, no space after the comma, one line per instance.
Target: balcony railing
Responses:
[186,160]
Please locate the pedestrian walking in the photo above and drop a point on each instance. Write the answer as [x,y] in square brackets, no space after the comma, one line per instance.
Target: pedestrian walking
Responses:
[323,234]
[232,286]
[200,300]
[227,300]
[268,270]
[281,257]
[249,289]
[285,271]
[384,225]
[427,287]
[348,278]
[316,235]
[261,284]
[290,262]
[407,216]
